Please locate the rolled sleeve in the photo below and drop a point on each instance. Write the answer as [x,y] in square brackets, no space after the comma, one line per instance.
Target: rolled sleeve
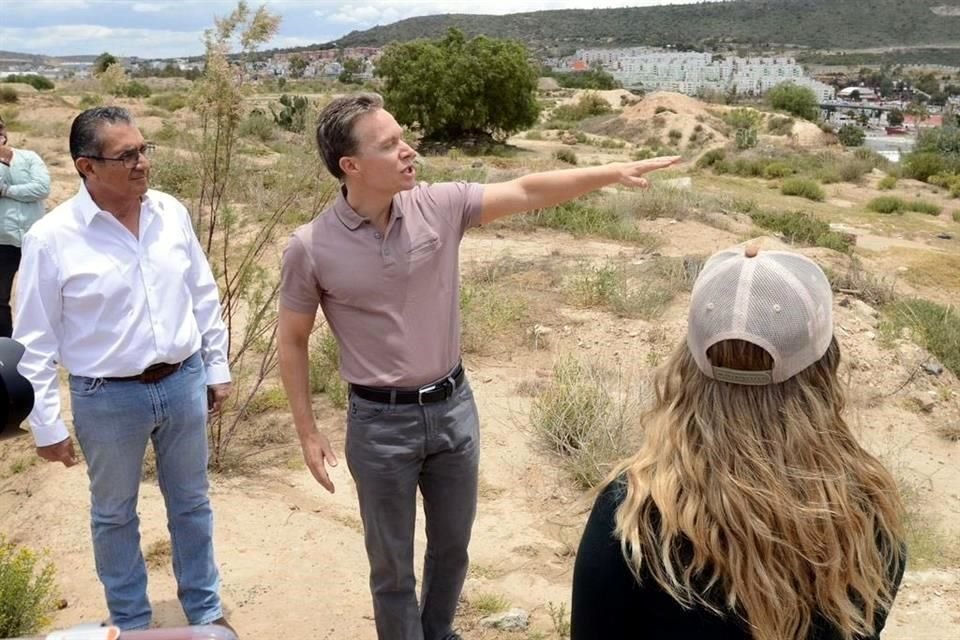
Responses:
[38,328]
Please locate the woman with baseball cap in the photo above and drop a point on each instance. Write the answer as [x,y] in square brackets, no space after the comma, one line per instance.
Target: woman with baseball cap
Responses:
[750,510]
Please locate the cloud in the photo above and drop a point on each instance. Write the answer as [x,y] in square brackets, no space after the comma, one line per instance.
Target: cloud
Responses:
[148,7]
[69,39]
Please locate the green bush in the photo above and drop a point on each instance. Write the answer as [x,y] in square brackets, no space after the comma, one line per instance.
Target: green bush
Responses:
[566,155]
[258,126]
[675,135]
[853,171]
[799,227]
[887,204]
[777,170]
[799,101]
[887,183]
[710,158]
[91,100]
[293,115]
[850,135]
[8,95]
[780,126]
[589,105]
[169,101]
[742,118]
[40,83]
[920,165]
[803,187]
[134,89]
[27,591]
[922,206]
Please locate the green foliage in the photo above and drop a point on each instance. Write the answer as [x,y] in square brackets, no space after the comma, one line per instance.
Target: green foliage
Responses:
[258,126]
[922,206]
[818,24]
[8,95]
[454,86]
[743,118]
[710,158]
[887,204]
[38,82]
[746,138]
[325,369]
[920,165]
[593,79]
[794,99]
[800,227]
[887,183]
[293,115]
[297,66]
[776,170]
[850,135]
[134,89]
[589,105]
[566,155]
[803,187]
[675,136]
[169,101]
[103,61]
[90,100]
[352,67]
[895,117]
[780,126]
[27,590]
[937,327]
[940,140]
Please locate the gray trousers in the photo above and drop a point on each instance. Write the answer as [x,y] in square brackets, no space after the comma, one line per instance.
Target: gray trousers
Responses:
[391,450]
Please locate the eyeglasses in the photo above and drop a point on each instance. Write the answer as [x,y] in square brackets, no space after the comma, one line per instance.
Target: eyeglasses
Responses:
[131,158]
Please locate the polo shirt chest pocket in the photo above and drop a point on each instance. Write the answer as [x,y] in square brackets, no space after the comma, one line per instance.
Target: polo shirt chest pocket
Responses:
[422,249]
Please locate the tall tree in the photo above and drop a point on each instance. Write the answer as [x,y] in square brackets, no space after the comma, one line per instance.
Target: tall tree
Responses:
[103,61]
[453,87]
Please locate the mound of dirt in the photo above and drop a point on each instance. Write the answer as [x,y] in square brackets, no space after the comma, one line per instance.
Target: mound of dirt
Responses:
[664,119]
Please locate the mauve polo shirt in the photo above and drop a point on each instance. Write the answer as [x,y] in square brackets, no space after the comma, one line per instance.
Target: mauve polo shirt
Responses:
[391,299]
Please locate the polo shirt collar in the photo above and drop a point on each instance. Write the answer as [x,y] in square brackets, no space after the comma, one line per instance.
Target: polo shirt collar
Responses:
[353,220]
[88,209]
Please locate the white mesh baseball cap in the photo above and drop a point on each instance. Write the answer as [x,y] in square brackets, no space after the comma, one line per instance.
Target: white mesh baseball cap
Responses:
[777,300]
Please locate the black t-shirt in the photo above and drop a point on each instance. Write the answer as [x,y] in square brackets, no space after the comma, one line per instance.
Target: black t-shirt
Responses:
[609,602]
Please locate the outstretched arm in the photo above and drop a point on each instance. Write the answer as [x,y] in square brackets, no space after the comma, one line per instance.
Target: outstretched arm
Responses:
[548,188]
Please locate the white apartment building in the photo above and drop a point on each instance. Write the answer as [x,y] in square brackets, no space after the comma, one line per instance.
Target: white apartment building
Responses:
[692,72]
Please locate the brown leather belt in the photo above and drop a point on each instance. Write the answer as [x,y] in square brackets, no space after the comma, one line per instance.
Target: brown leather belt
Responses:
[153,373]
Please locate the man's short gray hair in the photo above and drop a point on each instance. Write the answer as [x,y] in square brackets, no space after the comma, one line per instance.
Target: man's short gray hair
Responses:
[85,139]
[335,137]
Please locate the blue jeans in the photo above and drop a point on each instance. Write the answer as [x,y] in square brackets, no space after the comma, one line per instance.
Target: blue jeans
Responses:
[113,422]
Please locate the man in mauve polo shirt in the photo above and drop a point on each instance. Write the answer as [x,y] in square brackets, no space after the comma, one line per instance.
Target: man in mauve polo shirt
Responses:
[383,264]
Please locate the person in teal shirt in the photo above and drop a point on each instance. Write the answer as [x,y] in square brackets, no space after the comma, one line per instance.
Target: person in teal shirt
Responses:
[24,185]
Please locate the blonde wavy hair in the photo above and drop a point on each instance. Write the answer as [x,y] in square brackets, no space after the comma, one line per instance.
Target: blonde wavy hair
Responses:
[758,500]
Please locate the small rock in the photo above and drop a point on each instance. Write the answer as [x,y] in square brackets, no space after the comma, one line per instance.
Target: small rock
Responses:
[477,165]
[934,368]
[512,620]
[923,402]
[870,335]
[945,236]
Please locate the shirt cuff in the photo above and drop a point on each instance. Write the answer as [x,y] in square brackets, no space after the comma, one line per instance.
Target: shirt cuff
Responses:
[218,373]
[49,434]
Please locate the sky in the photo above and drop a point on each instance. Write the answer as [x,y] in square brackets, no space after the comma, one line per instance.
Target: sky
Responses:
[172,28]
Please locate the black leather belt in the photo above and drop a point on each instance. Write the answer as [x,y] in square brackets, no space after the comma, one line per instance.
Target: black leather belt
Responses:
[434,392]
[153,373]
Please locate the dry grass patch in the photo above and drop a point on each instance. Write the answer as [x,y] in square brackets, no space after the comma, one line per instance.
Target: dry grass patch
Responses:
[587,418]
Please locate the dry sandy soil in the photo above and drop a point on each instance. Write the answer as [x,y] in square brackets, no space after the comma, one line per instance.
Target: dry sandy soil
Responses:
[292,556]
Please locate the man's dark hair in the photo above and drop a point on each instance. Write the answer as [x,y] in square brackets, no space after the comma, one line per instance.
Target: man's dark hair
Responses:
[85,137]
[335,128]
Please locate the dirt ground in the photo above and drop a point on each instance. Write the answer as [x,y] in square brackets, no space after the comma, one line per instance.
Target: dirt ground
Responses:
[292,556]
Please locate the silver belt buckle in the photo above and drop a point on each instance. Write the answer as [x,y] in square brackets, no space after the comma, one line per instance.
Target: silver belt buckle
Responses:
[423,390]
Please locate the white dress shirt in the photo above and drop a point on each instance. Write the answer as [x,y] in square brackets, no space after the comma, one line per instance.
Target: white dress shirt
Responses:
[103,303]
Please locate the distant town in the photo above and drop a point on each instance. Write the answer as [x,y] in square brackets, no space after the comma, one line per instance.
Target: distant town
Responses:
[635,68]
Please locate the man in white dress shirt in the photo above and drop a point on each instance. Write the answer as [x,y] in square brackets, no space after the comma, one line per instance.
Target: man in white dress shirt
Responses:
[115,287]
